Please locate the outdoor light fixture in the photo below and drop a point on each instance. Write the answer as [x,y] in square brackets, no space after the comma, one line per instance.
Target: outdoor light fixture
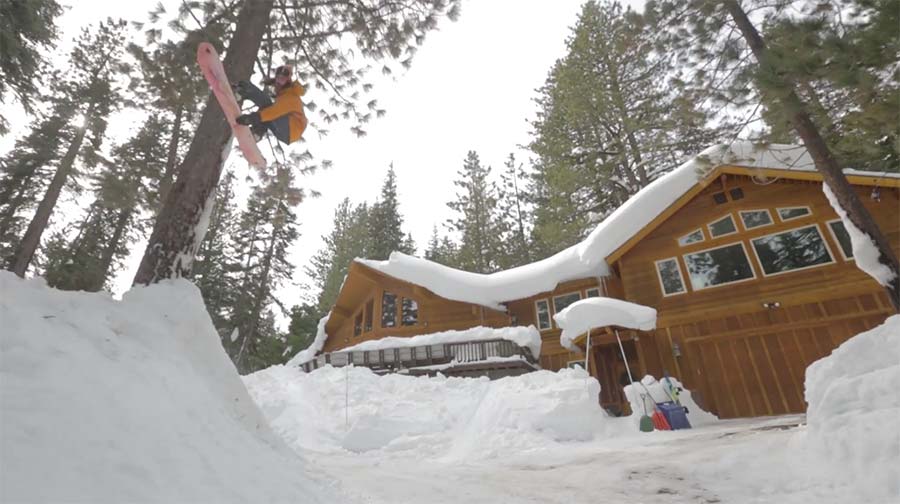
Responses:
[772,305]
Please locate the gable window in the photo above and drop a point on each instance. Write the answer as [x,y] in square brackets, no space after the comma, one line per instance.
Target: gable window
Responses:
[718,266]
[722,227]
[357,325]
[842,237]
[560,303]
[388,309]
[409,312]
[755,218]
[370,307]
[592,293]
[795,249]
[692,237]
[789,213]
[670,276]
[542,310]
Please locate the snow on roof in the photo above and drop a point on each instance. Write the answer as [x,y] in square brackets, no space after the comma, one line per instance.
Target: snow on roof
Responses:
[588,258]
[582,316]
[526,337]
[310,352]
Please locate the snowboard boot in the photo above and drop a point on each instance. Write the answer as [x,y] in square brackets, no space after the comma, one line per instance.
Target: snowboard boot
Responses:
[259,131]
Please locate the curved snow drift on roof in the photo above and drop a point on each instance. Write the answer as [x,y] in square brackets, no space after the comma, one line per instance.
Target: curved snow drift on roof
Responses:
[588,258]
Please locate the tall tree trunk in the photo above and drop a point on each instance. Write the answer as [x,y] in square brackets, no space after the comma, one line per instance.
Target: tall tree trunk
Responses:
[32,237]
[825,162]
[178,230]
[109,251]
[165,182]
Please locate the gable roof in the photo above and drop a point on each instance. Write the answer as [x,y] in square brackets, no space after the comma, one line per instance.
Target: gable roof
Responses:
[615,234]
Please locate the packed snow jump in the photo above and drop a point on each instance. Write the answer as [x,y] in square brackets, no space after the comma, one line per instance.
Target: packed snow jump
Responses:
[283,117]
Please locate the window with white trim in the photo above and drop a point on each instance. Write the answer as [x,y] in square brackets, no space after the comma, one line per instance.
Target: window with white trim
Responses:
[791,250]
[790,213]
[722,227]
[542,313]
[561,302]
[755,218]
[842,237]
[670,279]
[718,266]
[595,292]
[692,237]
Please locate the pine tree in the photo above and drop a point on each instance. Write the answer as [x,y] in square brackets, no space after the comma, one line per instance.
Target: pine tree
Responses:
[216,258]
[513,216]
[302,329]
[346,242]
[609,123]
[480,245]
[442,250]
[89,91]
[27,27]
[267,228]
[724,33]
[385,222]
[382,31]
[125,185]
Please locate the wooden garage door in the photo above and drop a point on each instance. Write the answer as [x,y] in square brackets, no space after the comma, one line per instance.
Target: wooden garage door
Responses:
[761,371]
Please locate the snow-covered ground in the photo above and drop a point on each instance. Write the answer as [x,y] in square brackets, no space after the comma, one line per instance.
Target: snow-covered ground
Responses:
[106,401]
[537,438]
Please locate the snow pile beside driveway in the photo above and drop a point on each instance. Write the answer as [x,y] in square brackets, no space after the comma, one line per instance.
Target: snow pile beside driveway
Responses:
[351,408]
[656,392]
[854,409]
[131,401]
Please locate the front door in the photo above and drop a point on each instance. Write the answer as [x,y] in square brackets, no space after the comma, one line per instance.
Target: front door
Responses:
[612,375]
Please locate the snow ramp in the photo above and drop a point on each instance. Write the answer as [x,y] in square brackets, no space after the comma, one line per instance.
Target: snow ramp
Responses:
[132,401]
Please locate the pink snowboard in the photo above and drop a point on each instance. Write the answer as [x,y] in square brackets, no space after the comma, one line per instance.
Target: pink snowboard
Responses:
[215,75]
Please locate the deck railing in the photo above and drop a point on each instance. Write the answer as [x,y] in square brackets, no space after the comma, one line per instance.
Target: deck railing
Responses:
[391,359]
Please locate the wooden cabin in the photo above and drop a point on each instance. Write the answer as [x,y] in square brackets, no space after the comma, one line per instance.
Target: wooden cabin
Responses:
[749,268]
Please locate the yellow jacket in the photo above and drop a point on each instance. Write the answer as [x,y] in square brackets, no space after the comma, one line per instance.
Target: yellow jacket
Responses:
[288,102]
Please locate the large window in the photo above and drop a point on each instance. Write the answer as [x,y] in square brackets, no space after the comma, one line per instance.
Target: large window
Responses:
[670,277]
[791,250]
[357,325]
[592,293]
[722,227]
[561,302]
[789,213]
[718,266]
[692,237]
[409,312]
[755,218]
[542,311]
[842,237]
[388,309]
[370,307]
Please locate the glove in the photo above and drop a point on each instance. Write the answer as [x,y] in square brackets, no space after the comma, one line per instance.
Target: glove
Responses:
[248,119]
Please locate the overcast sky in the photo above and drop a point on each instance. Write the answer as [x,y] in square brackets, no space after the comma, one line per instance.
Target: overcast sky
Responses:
[471,87]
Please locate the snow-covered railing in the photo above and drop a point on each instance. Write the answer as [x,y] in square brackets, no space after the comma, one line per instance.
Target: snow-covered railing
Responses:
[393,359]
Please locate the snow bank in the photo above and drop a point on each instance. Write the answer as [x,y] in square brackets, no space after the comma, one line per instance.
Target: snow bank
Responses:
[351,408]
[853,411]
[131,401]
[865,252]
[526,337]
[588,258]
[582,316]
[656,392]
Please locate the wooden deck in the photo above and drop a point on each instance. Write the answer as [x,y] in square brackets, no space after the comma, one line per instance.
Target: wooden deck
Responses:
[494,358]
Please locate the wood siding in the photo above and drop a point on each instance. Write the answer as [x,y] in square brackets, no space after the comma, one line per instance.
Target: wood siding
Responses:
[436,314]
[741,357]
[523,311]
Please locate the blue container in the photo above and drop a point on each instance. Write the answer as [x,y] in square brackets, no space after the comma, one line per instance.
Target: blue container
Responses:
[675,415]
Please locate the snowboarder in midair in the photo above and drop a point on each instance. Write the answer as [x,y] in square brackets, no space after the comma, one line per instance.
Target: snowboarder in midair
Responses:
[284,117]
